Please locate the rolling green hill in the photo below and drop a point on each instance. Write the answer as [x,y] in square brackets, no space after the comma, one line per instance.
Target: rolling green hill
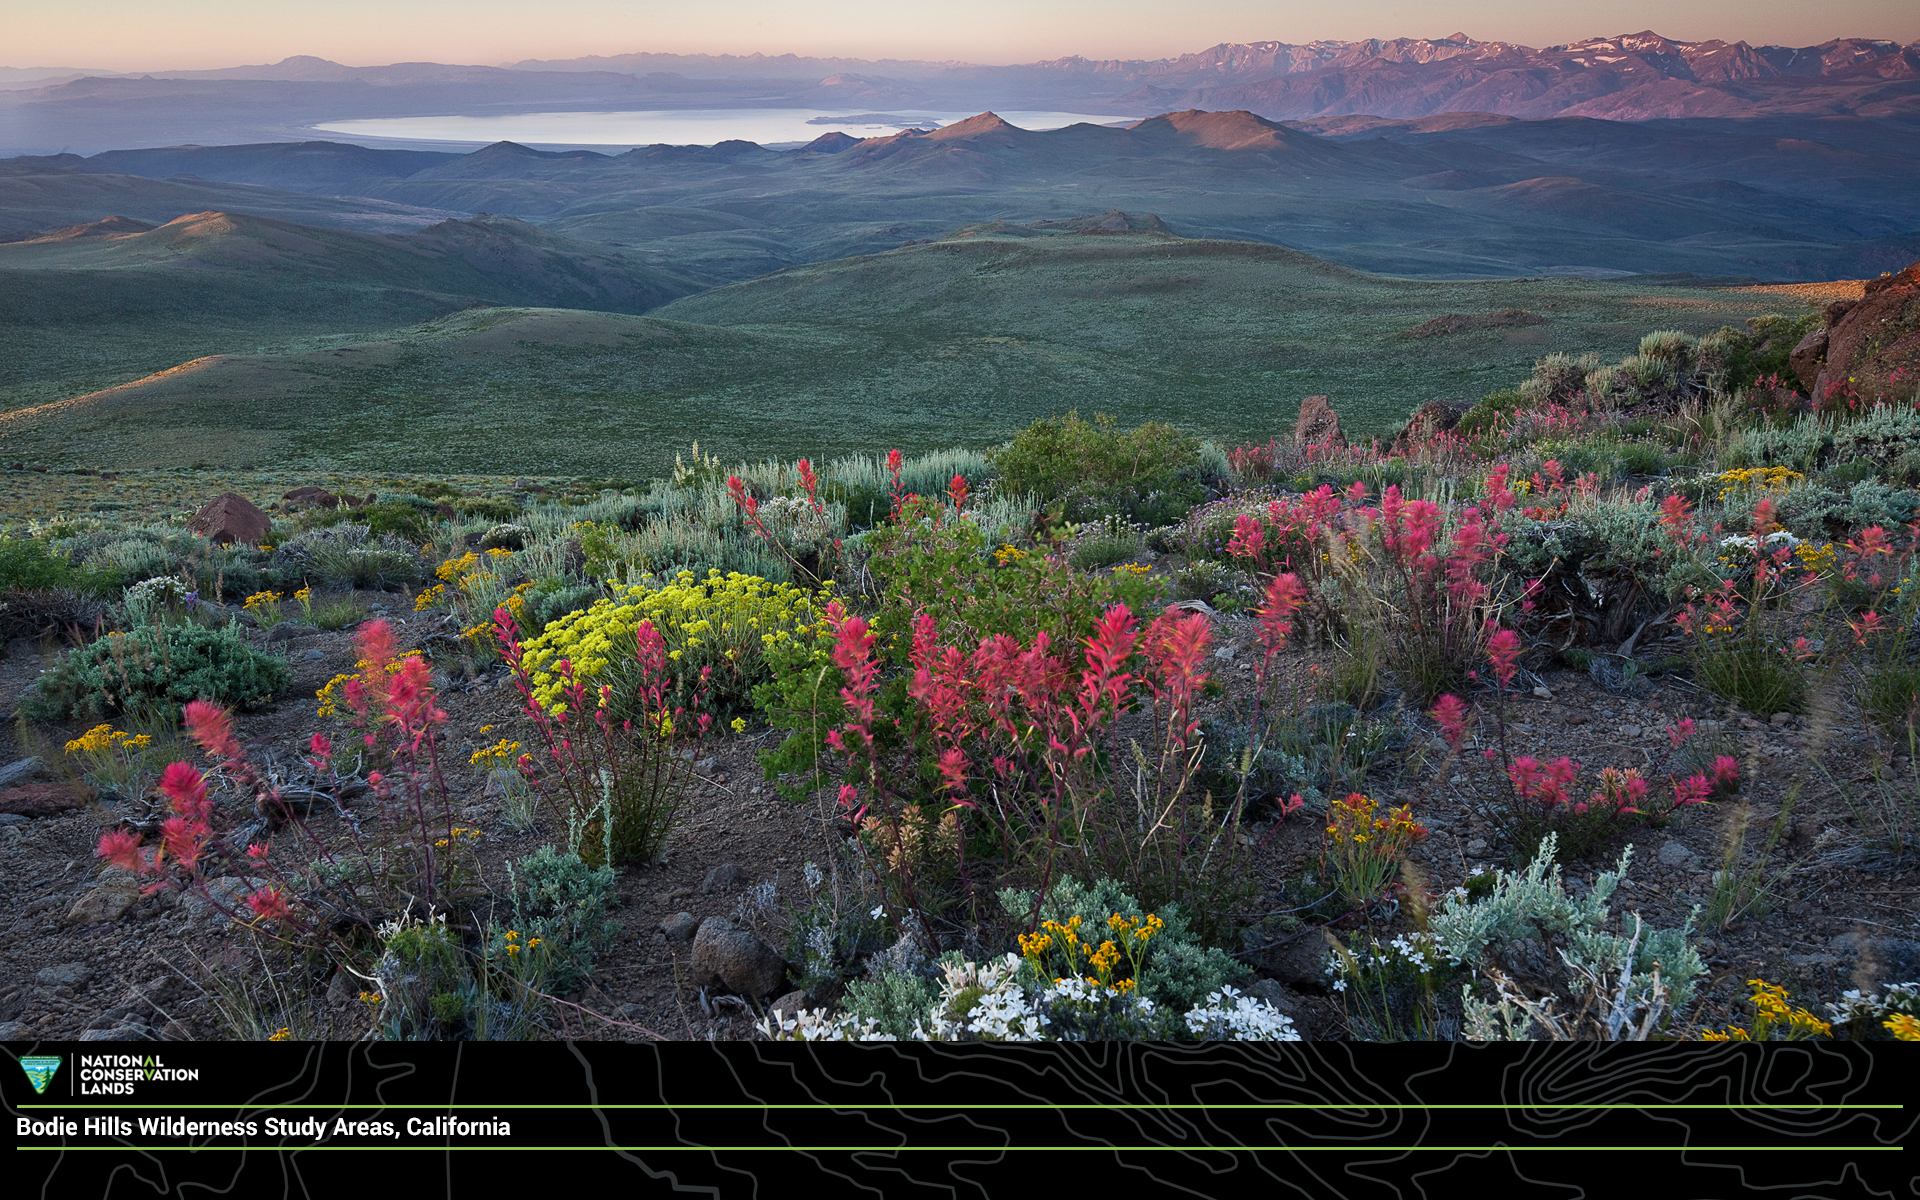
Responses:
[963,340]
[95,305]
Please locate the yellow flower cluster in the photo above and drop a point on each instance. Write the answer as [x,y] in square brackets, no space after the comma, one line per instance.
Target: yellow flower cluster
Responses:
[105,739]
[1773,1019]
[334,692]
[1128,945]
[261,600]
[1355,821]
[1903,1027]
[724,621]
[502,753]
[457,835]
[1815,558]
[1758,480]
[455,569]
[514,946]
[1132,569]
[1008,552]
[427,599]
[282,1034]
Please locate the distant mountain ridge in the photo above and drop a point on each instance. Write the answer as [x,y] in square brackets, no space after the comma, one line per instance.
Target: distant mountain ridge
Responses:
[1632,76]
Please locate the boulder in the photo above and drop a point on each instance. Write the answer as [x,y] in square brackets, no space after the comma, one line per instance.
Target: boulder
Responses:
[1874,342]
[1318,424]
[17,770]
[231,517]
[1428,421]
[1807,357]
[74,975]
[680,926]
[310,497]
[44,799]
[728,957]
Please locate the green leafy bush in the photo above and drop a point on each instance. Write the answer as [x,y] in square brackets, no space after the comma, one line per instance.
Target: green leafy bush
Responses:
[562,901]
[1149,474]
[32,564]
[156,667]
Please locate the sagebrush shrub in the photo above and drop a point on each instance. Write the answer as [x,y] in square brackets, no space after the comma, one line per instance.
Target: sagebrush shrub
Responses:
[159,667]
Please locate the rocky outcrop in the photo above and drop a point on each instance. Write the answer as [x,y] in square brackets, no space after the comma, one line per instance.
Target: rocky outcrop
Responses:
[231,517]
[1869,348]
[1427,421]
[1318,424]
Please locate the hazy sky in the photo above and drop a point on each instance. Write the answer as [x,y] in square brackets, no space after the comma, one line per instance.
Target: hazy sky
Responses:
[130,35]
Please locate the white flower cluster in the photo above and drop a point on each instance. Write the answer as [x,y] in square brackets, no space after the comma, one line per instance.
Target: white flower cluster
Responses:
[816,1025]
[1745,541]
[1853,1006]
[1000,1010]
[1228,1016]
[1416,953]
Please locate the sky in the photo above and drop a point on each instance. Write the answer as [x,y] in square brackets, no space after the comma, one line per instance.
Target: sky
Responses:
[138,35]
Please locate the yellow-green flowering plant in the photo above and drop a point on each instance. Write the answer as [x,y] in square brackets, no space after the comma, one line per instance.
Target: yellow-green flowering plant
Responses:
[723,625]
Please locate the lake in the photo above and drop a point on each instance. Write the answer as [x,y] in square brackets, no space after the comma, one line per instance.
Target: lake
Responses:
[681,127]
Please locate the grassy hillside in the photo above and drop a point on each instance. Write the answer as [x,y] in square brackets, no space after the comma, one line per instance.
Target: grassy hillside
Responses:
[960,341]
[93,306]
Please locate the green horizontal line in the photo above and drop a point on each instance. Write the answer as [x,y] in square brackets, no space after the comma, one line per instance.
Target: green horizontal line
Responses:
[968,1108]
[442,1149]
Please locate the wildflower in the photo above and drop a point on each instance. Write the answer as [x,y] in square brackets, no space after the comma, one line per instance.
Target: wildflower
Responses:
[1680,731]
[1450,713]
[1503,650]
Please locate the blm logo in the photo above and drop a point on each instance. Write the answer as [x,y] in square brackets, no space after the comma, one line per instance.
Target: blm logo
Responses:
[40,1072]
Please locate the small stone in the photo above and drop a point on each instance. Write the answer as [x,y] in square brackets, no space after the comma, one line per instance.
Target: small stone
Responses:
[286,631]
[1224,654]
[1630,731]
[706,766]
[7,819]
[720,878]
[174,1031]
[680,926]
[313,655]
[1275,993]
[67,975]
[1578,718]
[1750,723]
[1674,854]
[108,902]
[734,958]
[14,1031]
[18,769]
[790,1003]
[1781,719]
[1477,848]
[122,1033]
[1540,692]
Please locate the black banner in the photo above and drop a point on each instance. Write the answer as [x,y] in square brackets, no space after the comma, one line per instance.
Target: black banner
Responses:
[920,1119]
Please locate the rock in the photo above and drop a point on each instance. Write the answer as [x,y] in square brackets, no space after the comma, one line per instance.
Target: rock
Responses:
[108,902]
[1578,718]
[707,766]
[313,655]
[1674,854]
[1277,994]
[174,1031]
[720,878]
[15,1031]
[1750,723]
[1478,848]
[1805,358]
[18,769]
[1540,692]
[287,631]
[310,497]
[1631,731]
[725,956]
[680,926]
[1872,339]
[1781,718]
[124,1033]
[1427,422]
[1224,654]
[1318,424]
[231,517]
[790,1003]
[44,799]
[7,819]
[226,895]
[72,975]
